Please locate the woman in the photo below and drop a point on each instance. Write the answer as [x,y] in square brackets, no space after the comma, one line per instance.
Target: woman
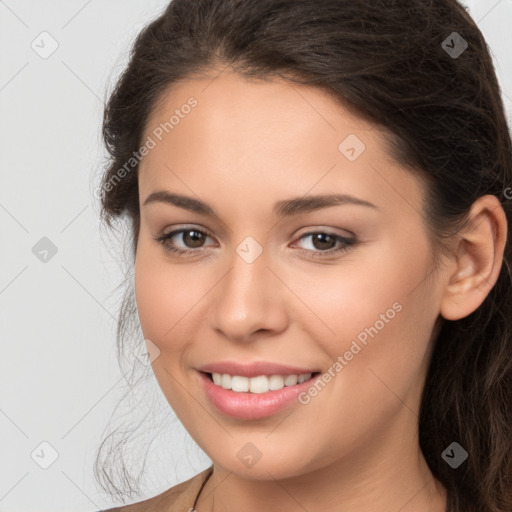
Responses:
[319,201]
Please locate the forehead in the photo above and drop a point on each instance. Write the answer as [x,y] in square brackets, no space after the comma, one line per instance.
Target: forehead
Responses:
[229,100]
[262,135]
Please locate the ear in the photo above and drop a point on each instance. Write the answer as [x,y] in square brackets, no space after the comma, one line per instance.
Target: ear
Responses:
[478,256]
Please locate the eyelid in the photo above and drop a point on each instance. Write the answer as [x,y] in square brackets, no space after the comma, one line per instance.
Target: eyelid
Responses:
[309,231]
[327,230]
[177,230]
[347,242]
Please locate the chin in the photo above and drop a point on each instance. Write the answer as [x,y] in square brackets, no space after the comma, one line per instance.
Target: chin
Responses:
[274,465]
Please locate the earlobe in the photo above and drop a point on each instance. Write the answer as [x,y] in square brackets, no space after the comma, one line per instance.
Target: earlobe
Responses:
[478,259]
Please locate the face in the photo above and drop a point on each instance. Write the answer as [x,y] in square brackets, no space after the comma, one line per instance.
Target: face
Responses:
[342,289]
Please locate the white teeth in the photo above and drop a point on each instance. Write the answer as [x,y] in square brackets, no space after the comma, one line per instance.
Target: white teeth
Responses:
[226,381]
[275,382]
[239,383]
[259,384]
[290,380]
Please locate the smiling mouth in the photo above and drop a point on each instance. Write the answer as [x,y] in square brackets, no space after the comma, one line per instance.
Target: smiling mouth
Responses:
[260,383]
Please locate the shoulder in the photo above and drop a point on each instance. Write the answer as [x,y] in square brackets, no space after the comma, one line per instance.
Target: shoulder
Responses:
[174,499]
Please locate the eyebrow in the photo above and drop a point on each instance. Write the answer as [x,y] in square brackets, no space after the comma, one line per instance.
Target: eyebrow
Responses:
[285,208]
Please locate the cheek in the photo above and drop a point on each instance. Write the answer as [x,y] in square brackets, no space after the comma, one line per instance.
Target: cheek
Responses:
[159,295]
[149,295]
[376,314]
[382,321]
[385,292]
[168,300]
[164,296]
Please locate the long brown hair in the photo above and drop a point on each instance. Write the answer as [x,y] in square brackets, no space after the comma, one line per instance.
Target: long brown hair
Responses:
[420,69]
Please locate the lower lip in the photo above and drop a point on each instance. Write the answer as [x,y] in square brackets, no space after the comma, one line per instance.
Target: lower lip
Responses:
[252,406]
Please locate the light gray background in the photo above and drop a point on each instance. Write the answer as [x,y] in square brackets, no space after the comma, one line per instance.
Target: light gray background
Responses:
[58,373]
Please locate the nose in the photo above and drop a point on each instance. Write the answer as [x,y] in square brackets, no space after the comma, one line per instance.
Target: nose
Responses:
[249,302]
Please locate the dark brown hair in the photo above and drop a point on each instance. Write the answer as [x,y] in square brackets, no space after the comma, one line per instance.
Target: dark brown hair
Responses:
[388,59]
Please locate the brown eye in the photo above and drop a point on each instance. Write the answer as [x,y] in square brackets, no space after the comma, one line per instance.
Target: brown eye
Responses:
[324,243]
[192,238]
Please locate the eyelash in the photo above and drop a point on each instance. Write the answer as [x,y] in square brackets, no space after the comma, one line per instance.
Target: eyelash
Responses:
[165,241]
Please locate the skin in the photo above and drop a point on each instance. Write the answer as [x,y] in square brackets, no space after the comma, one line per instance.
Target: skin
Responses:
[246,145]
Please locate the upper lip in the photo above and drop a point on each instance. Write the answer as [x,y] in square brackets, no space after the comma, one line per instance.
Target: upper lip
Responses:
[253,369]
